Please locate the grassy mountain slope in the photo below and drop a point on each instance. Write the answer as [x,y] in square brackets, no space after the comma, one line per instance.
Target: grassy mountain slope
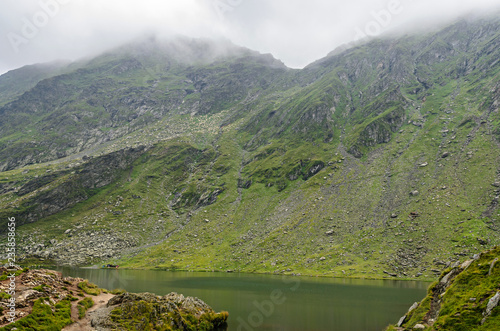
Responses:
[464,298]
[379,161]
[16,82]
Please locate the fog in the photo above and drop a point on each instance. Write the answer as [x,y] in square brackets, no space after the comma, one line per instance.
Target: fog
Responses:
[297,32]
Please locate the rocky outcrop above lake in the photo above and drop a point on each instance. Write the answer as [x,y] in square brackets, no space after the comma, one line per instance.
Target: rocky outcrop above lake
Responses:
[147,311]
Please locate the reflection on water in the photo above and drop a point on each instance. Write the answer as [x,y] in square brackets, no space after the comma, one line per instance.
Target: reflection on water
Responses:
[265,302]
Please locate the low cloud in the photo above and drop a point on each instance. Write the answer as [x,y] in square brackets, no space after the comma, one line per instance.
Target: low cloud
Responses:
[294,31]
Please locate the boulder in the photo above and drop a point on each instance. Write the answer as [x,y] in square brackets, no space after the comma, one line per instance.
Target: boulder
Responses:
[448,277]
[492,265]
[27,296]
[492,303]
[466,264]
[390,274]
[482,241]
[401,321]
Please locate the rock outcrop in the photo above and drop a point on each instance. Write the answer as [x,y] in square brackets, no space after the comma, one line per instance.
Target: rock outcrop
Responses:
[146,311]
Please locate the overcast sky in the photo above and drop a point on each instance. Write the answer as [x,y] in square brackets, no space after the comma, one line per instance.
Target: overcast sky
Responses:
[294,31]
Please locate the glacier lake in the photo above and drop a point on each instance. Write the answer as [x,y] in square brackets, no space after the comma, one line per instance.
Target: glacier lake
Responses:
[273,302]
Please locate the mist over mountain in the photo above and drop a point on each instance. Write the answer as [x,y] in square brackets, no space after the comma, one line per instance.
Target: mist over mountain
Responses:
[294,31]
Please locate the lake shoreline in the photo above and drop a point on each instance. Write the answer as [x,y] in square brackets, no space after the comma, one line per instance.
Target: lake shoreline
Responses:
[419,279]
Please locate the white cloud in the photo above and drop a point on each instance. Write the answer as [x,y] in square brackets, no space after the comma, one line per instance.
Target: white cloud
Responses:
[295,31]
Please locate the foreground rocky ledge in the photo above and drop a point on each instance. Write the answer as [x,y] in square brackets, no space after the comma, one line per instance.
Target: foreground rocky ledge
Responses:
[147,311]
[465,297]
[46,300]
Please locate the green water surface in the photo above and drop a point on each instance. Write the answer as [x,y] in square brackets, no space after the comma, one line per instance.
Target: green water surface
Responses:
[267,302]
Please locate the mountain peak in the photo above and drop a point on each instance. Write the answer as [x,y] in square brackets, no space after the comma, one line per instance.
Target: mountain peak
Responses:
[190,51]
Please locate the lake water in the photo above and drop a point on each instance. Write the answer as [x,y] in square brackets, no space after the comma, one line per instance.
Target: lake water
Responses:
[267,302]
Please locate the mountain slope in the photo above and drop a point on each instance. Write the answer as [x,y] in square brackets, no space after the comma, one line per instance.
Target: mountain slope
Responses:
[16,82]
[126,90]
[464,298]
[378,161]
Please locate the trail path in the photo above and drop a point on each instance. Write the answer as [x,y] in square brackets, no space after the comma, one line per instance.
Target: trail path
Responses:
[84,323]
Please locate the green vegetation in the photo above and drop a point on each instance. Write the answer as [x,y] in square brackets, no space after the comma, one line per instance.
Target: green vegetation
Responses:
[71,298]
[89,288]
[461,303]
[45,317]
[16,273]
[41,288]
[84,305]
[117,291]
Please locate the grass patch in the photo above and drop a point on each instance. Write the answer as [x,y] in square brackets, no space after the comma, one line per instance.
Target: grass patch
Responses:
[41,288]
[83,306]
[16,273]
[117,291]
[89,288]
[44,317]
